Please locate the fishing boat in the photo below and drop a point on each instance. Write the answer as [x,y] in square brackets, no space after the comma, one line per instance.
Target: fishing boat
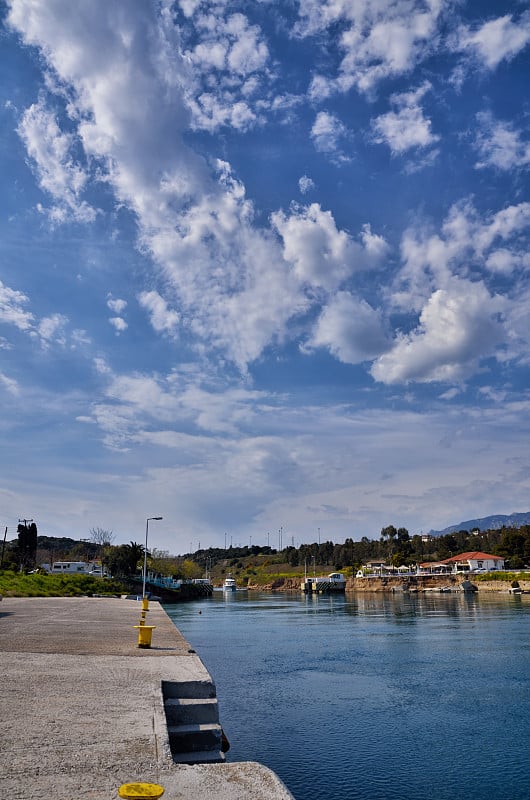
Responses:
[229,584]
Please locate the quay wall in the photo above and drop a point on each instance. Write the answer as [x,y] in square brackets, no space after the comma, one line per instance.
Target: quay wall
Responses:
[86,710]
[396,583]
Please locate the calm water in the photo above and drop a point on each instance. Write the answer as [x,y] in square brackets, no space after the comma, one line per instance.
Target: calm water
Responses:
[372,697]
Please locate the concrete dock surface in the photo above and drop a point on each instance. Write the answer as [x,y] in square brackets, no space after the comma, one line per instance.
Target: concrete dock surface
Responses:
[82,709]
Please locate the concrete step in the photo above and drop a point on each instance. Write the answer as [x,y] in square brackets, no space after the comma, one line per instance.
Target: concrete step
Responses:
[184,710]
[200,757]
[188,689]
[193,738]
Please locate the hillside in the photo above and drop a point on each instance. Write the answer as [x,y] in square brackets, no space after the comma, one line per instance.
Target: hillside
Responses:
[491,523]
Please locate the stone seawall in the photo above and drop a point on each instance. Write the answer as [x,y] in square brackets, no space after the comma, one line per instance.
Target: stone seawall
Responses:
[396,583]
[429,582]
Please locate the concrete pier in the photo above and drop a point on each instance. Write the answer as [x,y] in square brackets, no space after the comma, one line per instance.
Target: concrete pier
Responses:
[82,706]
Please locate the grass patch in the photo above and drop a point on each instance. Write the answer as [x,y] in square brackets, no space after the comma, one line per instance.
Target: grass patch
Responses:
[502,576]
[16,584]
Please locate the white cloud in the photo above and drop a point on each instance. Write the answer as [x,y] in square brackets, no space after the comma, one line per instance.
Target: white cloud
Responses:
[327,131]
[321,255]
[162,318]
[500,144]
[380,39]
[506,262]
[466,242]
[167,409]
[9,385]
[230,60]
[119,324]
[407,127]
[444,278]
[47,331]
[12,310]
[512,221]
[116,304]
[497,40]
[128,91]
[458,326]
[58,174]
[351,329]
[305,184]
[51,329]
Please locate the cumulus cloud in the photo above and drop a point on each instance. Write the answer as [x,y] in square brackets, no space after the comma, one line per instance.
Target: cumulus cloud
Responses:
[496,40]
[406,127]
[119,324]
[116,304]
[321,255]
[305,184]
[351,329]
[327,131]
[458,326]
[499,144]
[465,243]
[462,321]
[230,60]
[379,39]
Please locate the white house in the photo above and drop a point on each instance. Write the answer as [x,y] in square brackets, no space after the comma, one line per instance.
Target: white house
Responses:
[466,562]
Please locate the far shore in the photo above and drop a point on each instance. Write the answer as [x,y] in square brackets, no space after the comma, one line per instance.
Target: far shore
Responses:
[394,583]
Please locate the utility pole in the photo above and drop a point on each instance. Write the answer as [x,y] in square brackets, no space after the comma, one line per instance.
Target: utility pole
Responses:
[3,547]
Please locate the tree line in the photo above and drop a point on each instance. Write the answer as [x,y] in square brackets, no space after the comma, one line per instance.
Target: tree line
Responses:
[394,546]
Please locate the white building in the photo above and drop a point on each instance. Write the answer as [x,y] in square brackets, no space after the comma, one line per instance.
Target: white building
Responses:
[466,562]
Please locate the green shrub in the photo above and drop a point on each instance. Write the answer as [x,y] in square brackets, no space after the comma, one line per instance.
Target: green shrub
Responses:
[17,584]
[502,576]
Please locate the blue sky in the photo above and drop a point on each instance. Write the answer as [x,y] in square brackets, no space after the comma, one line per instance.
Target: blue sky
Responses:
[263,265]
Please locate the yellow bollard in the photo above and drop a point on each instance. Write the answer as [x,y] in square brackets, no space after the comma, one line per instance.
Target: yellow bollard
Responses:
[140,791]
[145,633]
[145,604]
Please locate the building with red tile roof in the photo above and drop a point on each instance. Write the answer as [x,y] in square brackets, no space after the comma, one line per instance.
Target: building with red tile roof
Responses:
[466,562]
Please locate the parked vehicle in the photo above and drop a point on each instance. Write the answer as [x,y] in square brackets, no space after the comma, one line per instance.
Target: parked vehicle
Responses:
[69,568]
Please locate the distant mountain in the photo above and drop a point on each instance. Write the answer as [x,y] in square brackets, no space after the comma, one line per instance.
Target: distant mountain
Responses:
[488,523]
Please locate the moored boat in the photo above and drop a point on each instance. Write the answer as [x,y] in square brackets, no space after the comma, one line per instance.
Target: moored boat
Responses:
[229,584]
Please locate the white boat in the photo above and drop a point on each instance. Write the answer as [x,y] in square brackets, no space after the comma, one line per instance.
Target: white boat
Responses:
[229,584]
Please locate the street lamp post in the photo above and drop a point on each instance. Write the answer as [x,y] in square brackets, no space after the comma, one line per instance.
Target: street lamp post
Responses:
[145,551]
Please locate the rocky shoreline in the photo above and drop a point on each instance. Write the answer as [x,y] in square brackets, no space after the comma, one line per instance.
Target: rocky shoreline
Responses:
[419,583]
